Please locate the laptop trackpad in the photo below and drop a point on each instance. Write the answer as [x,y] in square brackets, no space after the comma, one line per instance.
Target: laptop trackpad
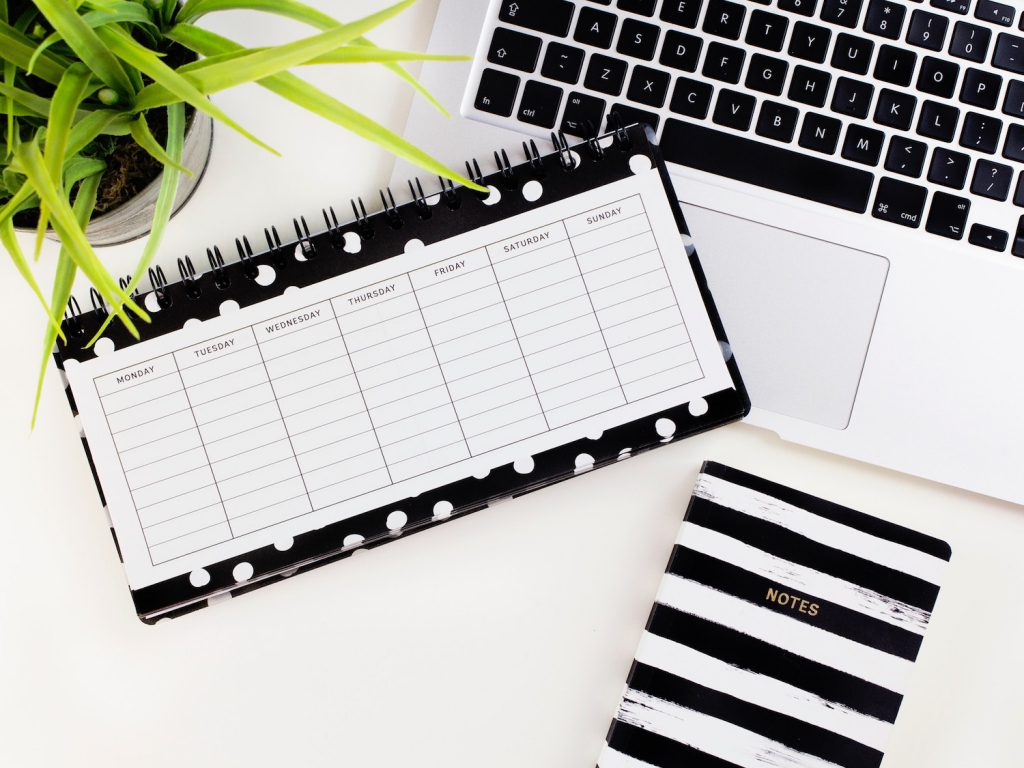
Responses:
[799,312]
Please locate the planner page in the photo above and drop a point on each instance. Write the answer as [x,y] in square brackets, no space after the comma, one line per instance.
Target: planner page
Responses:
[441,363]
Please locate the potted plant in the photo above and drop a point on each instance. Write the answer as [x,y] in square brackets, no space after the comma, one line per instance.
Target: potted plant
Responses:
[106,121]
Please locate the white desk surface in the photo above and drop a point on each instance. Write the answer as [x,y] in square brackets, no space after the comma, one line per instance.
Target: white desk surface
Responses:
[501,640]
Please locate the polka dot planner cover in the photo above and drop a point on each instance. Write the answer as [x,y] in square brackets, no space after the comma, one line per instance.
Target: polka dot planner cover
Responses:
[782,636]
[341,389]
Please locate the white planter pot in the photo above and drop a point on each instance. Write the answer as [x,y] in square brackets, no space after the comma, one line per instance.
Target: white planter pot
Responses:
[134,218]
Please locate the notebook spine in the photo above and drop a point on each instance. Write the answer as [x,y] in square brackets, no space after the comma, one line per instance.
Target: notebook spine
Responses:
[393,215]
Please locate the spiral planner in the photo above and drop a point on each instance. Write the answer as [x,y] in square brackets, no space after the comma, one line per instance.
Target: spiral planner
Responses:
[345,388]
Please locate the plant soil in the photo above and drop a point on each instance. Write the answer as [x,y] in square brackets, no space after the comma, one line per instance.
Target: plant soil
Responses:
[130,169]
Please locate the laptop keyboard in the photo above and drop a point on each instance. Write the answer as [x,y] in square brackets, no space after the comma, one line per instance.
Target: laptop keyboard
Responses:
[911,112]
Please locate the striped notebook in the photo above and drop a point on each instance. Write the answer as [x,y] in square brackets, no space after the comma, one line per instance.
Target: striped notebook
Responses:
[783,634]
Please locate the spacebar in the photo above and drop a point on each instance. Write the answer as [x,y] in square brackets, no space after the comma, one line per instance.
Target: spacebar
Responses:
[764,165]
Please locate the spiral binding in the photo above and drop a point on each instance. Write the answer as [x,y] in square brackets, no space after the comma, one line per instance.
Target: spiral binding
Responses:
[98,305]
[508,175]
[277,254]
[221,278]
[245,256]
[188,278]
[449,195]
[390,209]
[533,159]
[305,239]
[158,280]
[334,233]
[419,201]
[73,317]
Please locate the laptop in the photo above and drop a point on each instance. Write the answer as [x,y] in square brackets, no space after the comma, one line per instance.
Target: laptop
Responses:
[851,171]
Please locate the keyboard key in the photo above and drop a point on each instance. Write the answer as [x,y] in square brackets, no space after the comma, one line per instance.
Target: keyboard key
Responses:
[956,6]
[605,74]
[766,74]
[852,54]
[777,121]
[691,98]
[906,156]
[809,42]
[1014,102]
[1013,149]
[497,92]
[724,63]
[820,133]
[809,86]
[895,65]
[583,115]
[885,19]
[802,7]
[563,63]
[988,237]
[948,216]
[734,110]
[514,50]
[550,16]
[1009,53]
[596,28]
[938,77]
[863,145]
[899,203]
[992,180]
[1018,195]
[767,166]
[628,115]
[641,7]
[540,104]
[895,109]
[682,12]
[981,133]
[998,13]
[981,89]
[841,12]
[970,42]
[767,30]
[648,86]
[638,39]
[1017,249]
[938,121]
[724,19]
[928,30]
[949,168]
[852,97]
[680,51]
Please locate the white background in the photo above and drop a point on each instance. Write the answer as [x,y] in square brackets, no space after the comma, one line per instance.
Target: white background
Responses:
[499,640]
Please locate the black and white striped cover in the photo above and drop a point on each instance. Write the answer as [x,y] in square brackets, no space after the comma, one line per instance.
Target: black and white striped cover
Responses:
[783,634]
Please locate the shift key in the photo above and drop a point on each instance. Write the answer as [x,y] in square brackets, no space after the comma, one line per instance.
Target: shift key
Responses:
[899,202]
[550,16]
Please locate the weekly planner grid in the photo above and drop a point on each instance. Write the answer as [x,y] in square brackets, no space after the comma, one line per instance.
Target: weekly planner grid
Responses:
[372,386]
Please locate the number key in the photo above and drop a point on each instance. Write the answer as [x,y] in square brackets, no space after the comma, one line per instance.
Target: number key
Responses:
[928,30]
[970,42]
[841,12]
[885,19]
[803,7]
